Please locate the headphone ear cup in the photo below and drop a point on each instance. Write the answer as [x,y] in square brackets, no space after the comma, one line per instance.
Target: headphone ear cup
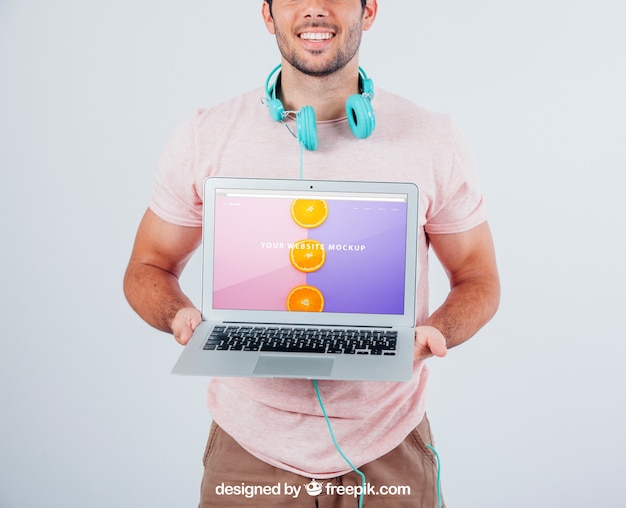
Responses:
[306,128]
[360,116]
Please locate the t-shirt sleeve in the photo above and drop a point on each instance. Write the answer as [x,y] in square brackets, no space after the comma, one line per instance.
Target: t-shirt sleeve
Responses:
[177,195]
[460,204]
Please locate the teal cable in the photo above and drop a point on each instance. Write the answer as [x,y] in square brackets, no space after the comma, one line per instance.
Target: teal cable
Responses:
[439,500]
[332,435]
[301,160]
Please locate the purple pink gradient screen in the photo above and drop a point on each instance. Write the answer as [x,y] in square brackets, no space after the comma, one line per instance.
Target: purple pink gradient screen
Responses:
[365,243]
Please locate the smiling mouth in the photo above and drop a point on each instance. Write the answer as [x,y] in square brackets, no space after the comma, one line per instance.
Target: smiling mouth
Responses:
[316,36]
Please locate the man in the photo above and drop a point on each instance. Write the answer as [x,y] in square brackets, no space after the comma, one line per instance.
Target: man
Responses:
[267,431]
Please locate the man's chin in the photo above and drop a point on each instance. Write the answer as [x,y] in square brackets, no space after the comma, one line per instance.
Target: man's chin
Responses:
[317,69]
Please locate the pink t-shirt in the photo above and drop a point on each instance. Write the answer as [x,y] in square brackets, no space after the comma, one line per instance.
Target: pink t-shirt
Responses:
[280,421]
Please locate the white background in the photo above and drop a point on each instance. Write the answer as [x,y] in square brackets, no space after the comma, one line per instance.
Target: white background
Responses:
[528,414]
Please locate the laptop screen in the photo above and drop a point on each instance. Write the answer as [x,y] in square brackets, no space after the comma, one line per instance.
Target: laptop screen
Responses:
[323,251]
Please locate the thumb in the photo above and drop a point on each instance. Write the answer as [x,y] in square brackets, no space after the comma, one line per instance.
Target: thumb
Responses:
[437,345]
[429,341]
[184,323]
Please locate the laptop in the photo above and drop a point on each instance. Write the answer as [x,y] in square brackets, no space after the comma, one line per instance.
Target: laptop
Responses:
[309,279]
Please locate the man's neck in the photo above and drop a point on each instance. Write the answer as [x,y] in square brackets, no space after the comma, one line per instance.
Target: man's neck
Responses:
[327,94]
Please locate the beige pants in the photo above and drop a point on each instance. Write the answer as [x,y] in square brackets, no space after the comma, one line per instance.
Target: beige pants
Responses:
[405,477]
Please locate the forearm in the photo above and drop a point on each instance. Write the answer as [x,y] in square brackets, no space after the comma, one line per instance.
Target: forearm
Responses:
[154,294]
[468,307]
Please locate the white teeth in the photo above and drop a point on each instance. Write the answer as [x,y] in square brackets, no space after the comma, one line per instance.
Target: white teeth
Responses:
[315,36]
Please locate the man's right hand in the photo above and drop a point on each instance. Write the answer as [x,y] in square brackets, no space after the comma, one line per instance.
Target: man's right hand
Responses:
[185,322]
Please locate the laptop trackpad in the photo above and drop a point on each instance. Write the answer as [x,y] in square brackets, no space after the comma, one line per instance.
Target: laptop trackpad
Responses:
[298,366]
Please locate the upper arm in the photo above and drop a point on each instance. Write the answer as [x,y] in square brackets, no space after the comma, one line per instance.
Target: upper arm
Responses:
[467,256]
[164,245]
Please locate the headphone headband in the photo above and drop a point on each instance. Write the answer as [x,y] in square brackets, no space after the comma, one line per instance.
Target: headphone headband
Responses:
[358,110]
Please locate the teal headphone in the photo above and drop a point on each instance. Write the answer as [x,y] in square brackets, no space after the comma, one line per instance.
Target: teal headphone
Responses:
[358,110]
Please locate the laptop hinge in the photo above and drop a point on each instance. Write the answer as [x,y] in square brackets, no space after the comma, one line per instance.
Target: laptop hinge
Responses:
[310,325]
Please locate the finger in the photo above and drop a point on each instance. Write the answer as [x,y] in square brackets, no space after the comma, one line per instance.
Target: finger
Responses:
[185,322]
[437,346]
[195,321]
[182,333]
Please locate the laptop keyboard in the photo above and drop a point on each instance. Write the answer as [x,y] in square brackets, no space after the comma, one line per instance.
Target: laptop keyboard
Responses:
[303,340]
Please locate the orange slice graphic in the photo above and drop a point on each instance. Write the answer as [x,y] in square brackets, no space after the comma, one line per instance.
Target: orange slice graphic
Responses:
[309,213]
[306,299]
[307,255]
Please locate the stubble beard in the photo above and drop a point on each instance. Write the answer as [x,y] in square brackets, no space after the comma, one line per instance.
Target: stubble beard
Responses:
[338,62]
